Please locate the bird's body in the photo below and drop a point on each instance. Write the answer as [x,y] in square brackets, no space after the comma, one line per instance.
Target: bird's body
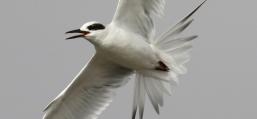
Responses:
[126,48]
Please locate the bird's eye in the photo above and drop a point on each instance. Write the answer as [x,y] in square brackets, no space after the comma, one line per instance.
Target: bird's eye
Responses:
[96,26]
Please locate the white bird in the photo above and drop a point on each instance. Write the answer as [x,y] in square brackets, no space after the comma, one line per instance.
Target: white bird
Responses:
[125,48]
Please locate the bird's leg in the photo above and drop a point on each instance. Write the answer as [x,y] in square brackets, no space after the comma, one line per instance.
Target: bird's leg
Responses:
[162,67]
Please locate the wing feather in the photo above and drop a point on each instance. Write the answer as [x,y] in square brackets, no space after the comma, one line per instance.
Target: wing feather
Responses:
[90,92]
[136,15]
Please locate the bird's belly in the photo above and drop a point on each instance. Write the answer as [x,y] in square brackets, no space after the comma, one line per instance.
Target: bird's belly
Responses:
[133,57]
[135,61]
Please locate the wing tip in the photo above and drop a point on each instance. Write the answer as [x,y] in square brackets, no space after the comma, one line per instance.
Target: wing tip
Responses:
[192,13]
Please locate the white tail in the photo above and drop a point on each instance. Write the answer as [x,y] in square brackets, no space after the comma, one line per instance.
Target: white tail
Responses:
[175,51]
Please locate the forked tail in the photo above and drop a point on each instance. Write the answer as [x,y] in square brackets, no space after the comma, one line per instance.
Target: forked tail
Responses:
[175,51]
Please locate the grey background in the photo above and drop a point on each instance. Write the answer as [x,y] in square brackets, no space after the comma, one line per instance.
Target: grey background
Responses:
[36,63]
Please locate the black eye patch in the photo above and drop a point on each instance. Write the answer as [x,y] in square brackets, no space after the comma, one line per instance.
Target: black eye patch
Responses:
[96,26]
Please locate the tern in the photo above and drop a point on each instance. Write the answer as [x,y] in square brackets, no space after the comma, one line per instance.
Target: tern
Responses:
[127,48]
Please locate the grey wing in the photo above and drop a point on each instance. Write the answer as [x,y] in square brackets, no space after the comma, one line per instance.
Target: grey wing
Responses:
[90,92]
[136,15]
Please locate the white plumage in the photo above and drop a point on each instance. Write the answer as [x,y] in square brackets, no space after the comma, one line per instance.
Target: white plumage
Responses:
[125,47]
[91,91]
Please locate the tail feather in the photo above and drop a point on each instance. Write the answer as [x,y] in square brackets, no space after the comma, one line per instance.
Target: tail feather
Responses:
[175,52]
[154,94]
[139,97]
[155,89]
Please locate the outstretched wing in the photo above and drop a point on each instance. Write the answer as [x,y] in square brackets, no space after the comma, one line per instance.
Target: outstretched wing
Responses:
[90,92]
[136,15]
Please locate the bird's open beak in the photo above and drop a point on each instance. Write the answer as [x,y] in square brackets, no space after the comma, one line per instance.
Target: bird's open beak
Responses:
[82,34]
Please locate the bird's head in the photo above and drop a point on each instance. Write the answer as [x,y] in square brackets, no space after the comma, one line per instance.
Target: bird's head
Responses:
[90,31]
